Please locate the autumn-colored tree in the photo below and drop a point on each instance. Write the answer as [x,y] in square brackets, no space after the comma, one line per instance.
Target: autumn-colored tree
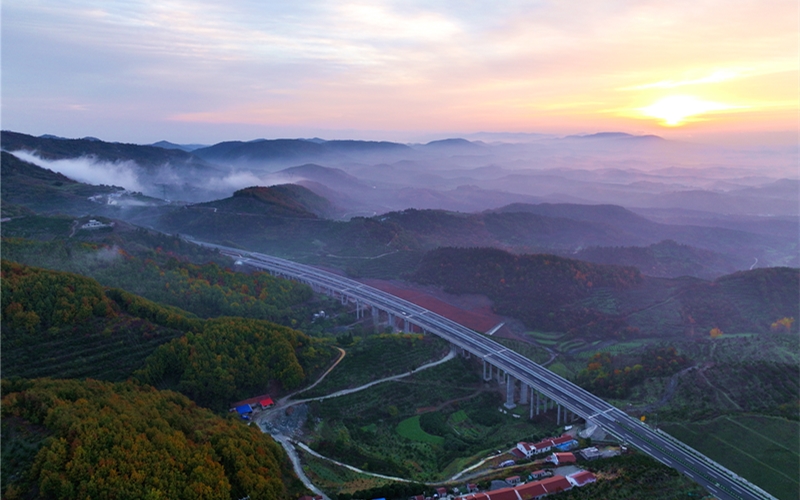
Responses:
[783,324]
[715,333]
[129,441]
[232,358]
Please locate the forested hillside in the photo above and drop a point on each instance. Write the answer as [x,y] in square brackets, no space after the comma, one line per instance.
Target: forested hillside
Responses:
[160,268]
[662,260]
[234,358]
[550,293]
[66,325]
[37,188]
[284,200]
[544,291]
[72,439]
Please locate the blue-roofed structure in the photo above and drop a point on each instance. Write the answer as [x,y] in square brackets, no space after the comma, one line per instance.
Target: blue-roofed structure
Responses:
[244,409]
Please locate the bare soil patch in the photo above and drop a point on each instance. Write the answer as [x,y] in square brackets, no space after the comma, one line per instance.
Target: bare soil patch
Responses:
[472,311]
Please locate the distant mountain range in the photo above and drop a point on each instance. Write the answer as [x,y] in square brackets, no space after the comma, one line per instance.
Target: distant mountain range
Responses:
[679,218]
[639,172]
[57,149]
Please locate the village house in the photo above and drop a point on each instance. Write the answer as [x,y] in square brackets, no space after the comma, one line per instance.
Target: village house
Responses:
[529,491]
[532,491]
[556,484]
[563,443]
[538,474]
[561,458]
[581,478]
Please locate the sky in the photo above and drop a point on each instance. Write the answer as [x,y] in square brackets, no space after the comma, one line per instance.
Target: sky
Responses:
[195,71]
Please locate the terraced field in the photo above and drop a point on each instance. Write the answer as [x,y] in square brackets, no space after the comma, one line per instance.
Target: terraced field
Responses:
[111,357]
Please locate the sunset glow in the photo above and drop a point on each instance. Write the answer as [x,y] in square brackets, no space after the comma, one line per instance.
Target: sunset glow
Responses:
[396,70]
[674,111]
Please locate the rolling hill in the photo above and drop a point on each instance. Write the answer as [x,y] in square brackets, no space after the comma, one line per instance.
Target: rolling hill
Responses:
[285,200]
[550,293]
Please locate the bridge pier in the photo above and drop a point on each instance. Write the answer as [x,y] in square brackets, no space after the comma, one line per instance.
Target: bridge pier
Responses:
[558,414]
[523,393]
[375,318]
[510,388]
[532,395]
[406,325]
[391,321]
[487,375]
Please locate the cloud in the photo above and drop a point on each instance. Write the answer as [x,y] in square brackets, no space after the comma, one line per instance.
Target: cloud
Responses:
[89,170]
[377,64]
[237,180]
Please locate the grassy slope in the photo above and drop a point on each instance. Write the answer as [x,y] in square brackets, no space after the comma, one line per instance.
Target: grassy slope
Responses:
[761,449]
[378,357]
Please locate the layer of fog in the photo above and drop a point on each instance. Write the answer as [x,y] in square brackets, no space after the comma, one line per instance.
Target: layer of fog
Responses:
[88,170]
[636,172]
[166,182]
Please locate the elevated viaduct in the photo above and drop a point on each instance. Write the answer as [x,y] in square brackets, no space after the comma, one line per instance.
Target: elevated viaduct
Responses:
[526,381]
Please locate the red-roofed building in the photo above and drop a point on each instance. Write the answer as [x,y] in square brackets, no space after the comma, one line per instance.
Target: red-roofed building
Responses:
[472,488]
[503,494]
[542,446]
[266,402]
[530,449]
[564,442]
[474,496]
[582,478]
[531,491]
[513,480]
[555,484]
[252,401]
[441,492]
[561,458]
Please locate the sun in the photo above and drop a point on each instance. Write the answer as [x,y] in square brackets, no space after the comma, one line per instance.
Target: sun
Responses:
[674,111]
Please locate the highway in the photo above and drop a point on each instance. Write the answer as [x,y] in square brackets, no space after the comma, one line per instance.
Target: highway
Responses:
[719,481]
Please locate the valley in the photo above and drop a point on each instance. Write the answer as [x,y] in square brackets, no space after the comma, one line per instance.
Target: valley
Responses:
[660,312]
